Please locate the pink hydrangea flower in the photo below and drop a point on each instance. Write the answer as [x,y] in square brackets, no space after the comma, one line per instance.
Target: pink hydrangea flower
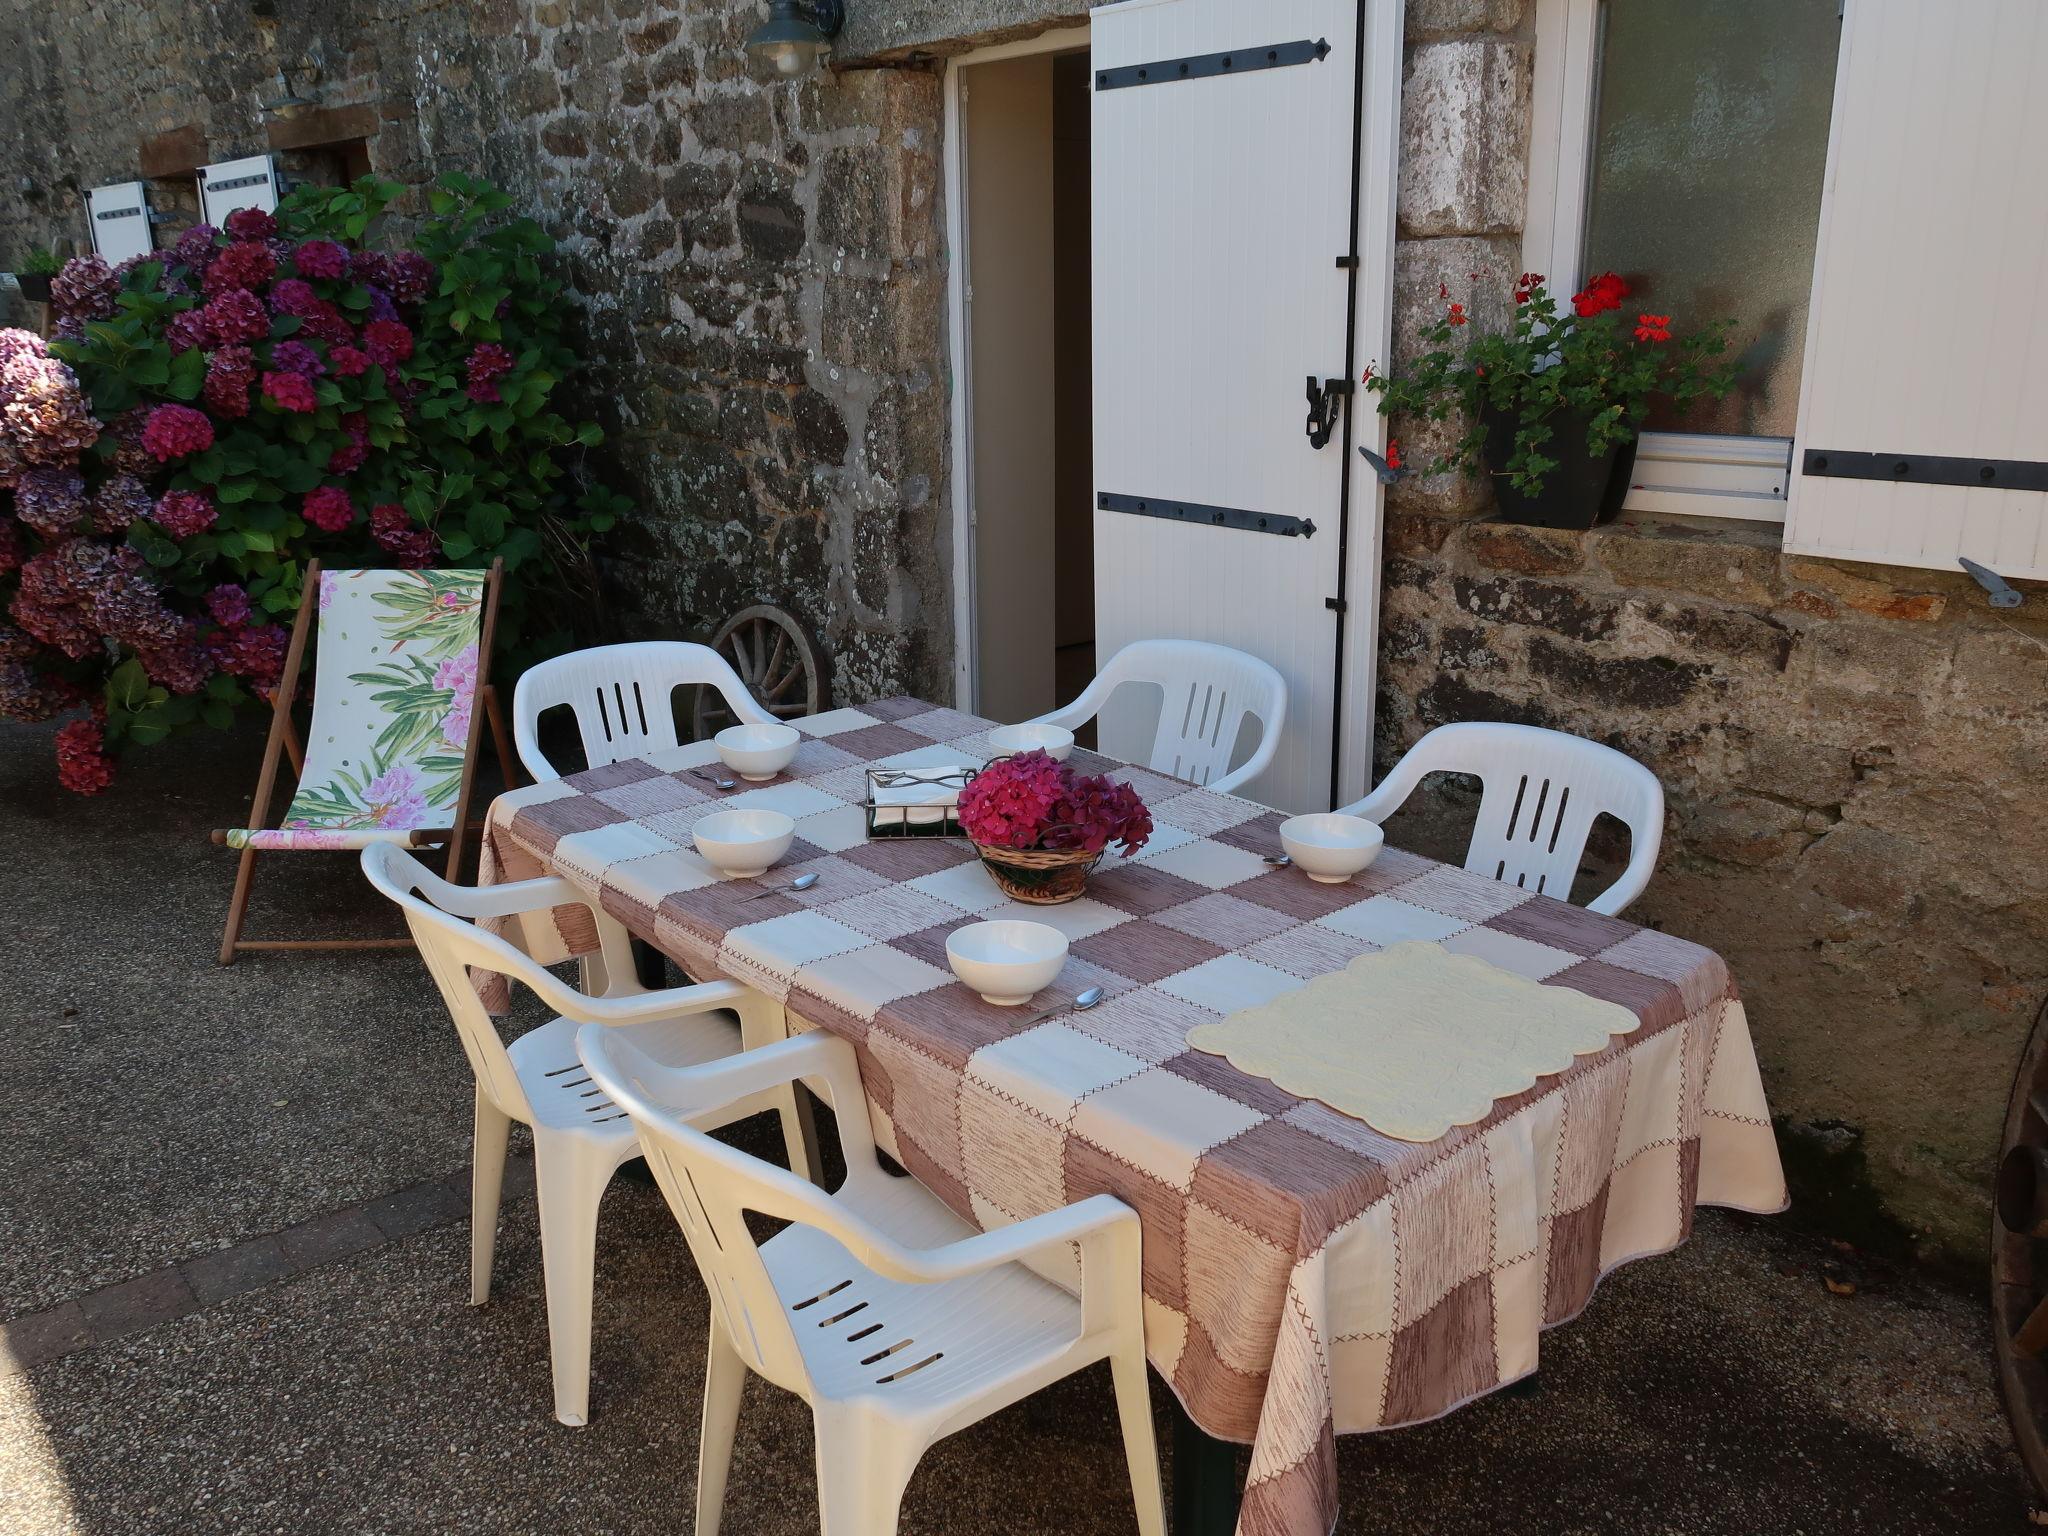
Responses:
[328,508]
[322,259]
[251,224]
[236,315]
[347,362]
[229,605]
[184,514]
[487,364]
[188,329]
[327,323]
[176,431]
[246,265]
[83,766]
[290,392]
[229,374]
[388,342]
[296,357]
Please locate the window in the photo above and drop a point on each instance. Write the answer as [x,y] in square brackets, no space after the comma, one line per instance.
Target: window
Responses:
[1684,146]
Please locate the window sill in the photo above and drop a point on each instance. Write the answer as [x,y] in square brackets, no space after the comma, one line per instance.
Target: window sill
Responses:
[1697,474]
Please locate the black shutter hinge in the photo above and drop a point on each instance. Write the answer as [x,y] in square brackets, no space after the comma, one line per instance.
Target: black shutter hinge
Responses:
[1337,605]
[1347,262]
[1322,408]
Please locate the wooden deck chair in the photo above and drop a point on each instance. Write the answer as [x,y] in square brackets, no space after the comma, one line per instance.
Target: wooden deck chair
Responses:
[402,666]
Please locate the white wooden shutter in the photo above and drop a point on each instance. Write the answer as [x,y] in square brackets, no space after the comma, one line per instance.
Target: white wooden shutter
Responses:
[246,183]
[119,214]
[1929,331]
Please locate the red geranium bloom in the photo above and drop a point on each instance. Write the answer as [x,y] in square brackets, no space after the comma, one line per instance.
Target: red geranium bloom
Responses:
[1525,289]
[1653,327]
[1393,453]
[1456,315]
[1605,292]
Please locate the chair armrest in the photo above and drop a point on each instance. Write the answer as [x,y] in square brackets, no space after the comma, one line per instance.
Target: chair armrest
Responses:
[510,899]
[1085,1220]
[646,1007]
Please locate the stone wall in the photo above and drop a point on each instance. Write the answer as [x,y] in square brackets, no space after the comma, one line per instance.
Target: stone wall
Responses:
[1856,757]
[760,265]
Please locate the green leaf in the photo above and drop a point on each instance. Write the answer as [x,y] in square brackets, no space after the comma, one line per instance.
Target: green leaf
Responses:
[128,684]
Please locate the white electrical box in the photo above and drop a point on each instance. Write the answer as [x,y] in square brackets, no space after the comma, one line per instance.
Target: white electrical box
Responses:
[247,183]
[119,214]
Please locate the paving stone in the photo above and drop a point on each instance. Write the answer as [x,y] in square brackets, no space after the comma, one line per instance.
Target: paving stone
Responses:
[231,1271]
[139,1303]
[406,1211]
[26,1342]
[336,1235]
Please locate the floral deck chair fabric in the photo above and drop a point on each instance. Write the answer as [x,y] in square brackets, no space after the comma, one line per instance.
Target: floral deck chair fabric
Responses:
[401,666]
[396,669]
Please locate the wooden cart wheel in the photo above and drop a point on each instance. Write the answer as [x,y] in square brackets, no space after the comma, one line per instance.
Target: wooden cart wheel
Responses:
[774,654]
[2019,1258]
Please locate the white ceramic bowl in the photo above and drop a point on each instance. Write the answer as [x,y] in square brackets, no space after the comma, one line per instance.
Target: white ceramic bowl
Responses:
[1055,741]
[743,842]
[1331,847]
[756,752]
[1006,961]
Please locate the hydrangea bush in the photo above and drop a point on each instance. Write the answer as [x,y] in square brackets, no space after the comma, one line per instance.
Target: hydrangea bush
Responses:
[212,417]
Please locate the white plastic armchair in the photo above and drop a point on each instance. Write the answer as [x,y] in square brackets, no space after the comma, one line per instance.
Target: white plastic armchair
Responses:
[621,698]
[1209,689]
[894,1320]
[579,1136]
[1541,792]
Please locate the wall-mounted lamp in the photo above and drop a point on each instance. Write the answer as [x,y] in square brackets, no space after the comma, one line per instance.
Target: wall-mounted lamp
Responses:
[797,34]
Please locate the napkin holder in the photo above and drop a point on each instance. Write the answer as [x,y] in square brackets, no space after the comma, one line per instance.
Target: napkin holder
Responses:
[892,821]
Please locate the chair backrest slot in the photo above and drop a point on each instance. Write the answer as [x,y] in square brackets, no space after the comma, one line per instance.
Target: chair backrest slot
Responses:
[910,1370]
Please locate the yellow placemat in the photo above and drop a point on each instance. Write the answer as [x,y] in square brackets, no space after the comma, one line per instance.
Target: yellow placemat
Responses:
[1414,1039]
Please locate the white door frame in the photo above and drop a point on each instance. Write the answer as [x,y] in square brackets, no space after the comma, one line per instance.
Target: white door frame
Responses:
[1379,126]
[960,345]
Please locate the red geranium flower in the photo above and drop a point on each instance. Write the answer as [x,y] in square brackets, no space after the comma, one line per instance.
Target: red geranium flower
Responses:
[1393,453]
[1653,327]
[1456,315]
[1526,287]
[1605,292]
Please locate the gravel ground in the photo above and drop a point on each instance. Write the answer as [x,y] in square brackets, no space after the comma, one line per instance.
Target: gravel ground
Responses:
[160,1108]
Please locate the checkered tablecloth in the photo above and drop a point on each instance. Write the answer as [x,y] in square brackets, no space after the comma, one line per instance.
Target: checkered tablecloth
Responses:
[1305,1276]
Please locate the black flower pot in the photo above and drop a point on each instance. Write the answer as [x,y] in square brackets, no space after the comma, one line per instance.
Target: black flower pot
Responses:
[35,286]
[1581,492]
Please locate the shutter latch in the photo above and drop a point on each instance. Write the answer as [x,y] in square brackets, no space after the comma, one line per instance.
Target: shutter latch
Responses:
[2002,595]
[1322,408]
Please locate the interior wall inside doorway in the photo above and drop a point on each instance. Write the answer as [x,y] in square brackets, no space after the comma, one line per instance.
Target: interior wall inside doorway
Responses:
[1024,132]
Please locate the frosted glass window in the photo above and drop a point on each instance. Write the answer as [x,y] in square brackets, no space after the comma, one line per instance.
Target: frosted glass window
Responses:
[1709,144]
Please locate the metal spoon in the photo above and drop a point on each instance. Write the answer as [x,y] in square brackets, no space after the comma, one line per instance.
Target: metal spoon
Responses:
[1278,860]
[800,883]
[1083,1001]
[714,780]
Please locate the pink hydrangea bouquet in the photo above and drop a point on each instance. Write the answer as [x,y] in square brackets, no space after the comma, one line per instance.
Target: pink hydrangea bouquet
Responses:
[1041,827]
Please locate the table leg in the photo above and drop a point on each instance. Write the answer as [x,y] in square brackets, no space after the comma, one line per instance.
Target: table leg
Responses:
[1206,1494]
[649,965]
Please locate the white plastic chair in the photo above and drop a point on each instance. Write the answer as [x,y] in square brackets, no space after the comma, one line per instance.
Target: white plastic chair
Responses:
[1209,689]
[579,1136]
[621,697]
[1541,792]
[891,1317]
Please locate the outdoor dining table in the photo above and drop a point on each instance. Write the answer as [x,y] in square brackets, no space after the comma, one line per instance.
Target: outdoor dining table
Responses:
[1305,1275]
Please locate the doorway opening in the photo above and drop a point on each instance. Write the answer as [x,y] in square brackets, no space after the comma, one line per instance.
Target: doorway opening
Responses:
[1023,387]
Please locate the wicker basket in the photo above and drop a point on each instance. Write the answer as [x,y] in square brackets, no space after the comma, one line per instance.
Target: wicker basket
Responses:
[1042,876]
